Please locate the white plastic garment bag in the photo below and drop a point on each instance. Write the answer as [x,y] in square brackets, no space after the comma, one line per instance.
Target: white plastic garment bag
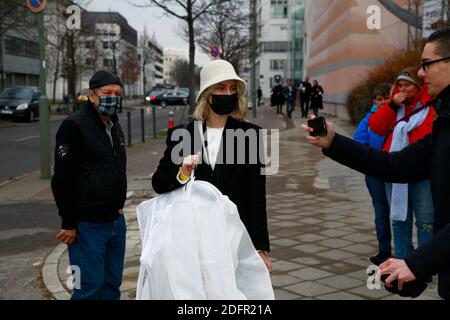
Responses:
[195,247]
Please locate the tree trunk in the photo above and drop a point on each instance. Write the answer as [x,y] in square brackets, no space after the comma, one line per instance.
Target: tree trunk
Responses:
[144,80]
[190,22]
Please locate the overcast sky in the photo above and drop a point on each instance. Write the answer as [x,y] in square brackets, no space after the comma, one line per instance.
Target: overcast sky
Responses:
[166,29]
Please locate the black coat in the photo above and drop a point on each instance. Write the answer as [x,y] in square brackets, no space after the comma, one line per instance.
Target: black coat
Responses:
[316,97]
[428,158]
[89,181]
[242,183]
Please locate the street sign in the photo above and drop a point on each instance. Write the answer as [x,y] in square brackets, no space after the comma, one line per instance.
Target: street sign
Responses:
[215,52]
[36,5]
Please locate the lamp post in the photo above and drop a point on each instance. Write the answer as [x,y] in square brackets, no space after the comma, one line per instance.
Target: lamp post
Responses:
[44,114]
[253,57]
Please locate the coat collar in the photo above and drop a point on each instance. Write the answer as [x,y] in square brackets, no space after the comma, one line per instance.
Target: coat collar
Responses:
[443,103]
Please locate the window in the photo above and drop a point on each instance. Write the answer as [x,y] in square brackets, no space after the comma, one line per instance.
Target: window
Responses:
[276,65]
[275,46]
[90,44]
[89,62]
[108,63]
[20,47]
[279,8]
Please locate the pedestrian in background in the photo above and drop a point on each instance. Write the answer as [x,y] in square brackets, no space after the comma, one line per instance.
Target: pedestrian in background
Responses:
[278,97]
[404,120]
[376,187]
[316,98]
[259,93]
[89,185]
[289,94]
[305,96]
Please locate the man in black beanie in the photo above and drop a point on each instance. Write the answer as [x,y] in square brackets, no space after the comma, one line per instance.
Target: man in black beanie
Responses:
[89,186]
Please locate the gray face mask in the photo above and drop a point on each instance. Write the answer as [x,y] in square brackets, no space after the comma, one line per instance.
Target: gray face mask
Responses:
[109,105]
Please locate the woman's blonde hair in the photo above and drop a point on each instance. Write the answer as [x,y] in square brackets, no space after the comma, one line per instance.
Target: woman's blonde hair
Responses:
[201,112]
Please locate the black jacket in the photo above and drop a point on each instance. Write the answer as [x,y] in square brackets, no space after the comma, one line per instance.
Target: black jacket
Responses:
[305,91]
[428,158]
[242,183]
[89,181]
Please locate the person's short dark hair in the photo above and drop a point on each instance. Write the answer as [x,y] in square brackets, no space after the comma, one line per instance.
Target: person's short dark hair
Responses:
[381,90]
[442,38]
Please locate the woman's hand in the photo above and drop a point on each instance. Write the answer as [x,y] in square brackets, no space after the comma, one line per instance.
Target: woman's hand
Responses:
[189,164]
[400,98]
[265,257]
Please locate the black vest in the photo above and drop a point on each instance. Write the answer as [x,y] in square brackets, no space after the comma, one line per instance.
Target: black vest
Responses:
[102,181]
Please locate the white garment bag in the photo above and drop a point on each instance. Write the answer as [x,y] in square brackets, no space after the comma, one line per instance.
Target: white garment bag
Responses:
[195,247]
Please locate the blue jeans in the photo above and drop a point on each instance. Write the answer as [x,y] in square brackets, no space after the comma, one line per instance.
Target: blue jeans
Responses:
[421,203]
[99,252]
[377,191]
[290,106]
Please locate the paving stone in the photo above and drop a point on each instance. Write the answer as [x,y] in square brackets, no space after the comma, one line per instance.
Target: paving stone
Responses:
[285,295]
[310,248]
[335,254]
[307,261]
[311,221]
[284,242]
[341,282]
[334,243]
[359,261]
[332,224]
[310,237]
[372,294]
[360,248]
[284,280]
[359,237]
[283,265]
[359,275]
[310,289]
[342,295]
[310,273]
[334,233]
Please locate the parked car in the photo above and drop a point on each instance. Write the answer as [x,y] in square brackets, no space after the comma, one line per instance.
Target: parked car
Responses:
[166,98]
[20,103]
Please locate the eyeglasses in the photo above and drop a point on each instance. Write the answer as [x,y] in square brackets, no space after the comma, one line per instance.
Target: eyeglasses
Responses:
[427,64]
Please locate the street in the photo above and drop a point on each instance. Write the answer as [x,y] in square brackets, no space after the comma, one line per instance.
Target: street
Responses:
[19,144]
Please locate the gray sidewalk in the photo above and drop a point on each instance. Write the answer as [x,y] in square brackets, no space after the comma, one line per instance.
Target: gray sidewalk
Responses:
[320,223]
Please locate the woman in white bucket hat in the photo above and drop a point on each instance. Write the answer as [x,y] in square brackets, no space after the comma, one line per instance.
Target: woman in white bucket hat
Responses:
[237,172]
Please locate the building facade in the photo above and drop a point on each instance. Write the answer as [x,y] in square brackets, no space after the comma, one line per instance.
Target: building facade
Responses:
[273,43]
[154,66]
[171,56]
[19,50]
[341,46]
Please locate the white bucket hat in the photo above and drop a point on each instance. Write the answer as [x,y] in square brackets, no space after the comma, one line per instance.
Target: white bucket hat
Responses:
[217,71]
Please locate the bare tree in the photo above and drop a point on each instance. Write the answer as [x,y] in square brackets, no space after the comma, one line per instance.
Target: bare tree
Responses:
[188,11]
[179,71]
[129,67]
[227,26]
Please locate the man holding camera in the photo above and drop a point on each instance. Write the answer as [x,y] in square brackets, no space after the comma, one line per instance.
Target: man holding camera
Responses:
[427,158]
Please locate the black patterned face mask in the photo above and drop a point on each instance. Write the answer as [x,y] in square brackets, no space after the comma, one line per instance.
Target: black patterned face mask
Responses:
[109,105]
[224,104]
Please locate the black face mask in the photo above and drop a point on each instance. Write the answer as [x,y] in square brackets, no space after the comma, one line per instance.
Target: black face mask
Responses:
[224,104]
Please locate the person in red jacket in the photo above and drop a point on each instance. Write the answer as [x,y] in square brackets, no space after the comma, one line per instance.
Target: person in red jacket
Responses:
[406,118]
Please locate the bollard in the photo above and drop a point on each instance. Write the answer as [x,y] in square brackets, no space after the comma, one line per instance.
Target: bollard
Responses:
[171,121]
[142,126]
[154,120]
[129,127]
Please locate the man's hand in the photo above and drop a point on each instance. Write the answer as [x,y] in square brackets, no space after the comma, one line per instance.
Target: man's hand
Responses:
[266,260]
[67,236]
[322,142]
[396,269]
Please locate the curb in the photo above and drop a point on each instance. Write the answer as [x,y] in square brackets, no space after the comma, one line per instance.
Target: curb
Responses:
[49,270]
[15,179]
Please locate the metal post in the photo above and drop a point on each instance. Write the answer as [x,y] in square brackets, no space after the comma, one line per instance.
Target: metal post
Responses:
[154,120]
[129,127]
[142,126]
[44,114]
[253,58]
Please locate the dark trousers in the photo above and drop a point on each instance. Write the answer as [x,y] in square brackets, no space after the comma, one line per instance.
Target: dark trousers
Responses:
[380,203]
[305,107]
[99,254]
[259,101]
[279,109]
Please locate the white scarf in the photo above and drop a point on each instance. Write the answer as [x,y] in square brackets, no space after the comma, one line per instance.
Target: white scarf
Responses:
[400,139]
